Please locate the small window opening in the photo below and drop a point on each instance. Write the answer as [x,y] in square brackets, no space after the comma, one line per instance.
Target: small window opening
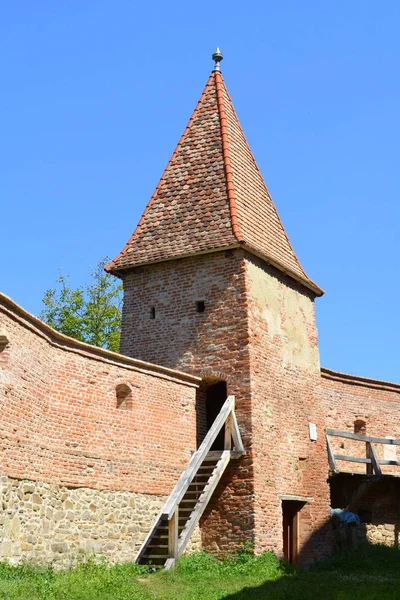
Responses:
[152,312]
[360,427]
[200,306]
[124,396]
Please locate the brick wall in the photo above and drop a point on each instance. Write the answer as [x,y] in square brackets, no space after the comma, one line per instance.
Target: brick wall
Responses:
[213,345]
[285,381]
[349,398]
[258,333]
[60,424]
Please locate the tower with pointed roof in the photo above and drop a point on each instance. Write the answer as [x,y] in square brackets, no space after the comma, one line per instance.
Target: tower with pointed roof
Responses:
[213,287]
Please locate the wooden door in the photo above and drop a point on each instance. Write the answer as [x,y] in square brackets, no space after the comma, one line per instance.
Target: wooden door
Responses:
[290,514]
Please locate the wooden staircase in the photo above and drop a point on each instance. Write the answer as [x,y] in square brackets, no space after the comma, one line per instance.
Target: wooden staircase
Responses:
[181,513]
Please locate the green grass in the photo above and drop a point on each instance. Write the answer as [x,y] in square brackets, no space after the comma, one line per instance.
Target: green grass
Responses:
[369,573]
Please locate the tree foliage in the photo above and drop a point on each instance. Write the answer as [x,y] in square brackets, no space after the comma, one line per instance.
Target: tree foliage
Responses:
[90,313]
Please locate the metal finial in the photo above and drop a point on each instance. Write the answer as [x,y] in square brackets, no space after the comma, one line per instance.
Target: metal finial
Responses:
[217,57]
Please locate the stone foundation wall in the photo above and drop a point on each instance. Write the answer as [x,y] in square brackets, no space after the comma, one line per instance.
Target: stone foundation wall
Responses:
[44,522]
[48,523]
[349,536]
[386,533]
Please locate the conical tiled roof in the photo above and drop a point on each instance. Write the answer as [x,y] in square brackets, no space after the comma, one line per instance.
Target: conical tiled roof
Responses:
[211,196]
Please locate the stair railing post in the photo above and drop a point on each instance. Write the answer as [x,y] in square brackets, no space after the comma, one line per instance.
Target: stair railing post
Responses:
[228,433]
[173,524]
[370,468]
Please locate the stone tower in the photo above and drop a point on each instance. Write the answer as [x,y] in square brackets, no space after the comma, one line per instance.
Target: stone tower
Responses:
[213,287]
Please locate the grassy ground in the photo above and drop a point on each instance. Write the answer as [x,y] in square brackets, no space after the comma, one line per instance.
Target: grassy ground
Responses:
[370,573]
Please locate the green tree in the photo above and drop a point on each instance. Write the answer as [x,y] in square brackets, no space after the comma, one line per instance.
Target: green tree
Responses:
[90,313]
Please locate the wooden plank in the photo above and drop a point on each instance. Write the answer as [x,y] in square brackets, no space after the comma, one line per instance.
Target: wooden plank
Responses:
[362,438]
[228,433]
[395,463]
[237,438]
[293,498]
[197,458]
[169,564]
[295,537]
[352,459]
[374,459]
[331,456]
[213,455]
[203,501]
[369,466]
[173,534]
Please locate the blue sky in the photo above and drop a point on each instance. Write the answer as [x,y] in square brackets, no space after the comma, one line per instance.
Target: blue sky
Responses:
[96,94]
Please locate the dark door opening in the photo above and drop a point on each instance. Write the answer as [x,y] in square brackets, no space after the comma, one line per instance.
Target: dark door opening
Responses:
[290,513]
[216,395]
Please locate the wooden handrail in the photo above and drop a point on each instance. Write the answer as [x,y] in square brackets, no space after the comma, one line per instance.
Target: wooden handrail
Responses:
[197,458]
[362,438]
[371,459]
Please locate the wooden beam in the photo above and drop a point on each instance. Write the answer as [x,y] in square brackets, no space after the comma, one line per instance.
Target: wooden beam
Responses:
[395,463]
[173,534]
[369,466]
[237,438]
[213,455]
[352,459]
[374,459]
[361,490]
[228,433]
[362,438]
[331,456]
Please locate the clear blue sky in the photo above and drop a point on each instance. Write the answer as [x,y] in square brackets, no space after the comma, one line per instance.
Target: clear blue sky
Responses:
[95,95]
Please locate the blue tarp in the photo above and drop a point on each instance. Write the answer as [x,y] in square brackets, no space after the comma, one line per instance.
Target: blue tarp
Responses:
[345,516]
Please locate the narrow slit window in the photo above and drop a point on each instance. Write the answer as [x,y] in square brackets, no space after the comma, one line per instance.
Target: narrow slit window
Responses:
[152,312]
[200,306]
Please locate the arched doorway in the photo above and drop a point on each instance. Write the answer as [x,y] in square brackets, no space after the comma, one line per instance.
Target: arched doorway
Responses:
[216,394]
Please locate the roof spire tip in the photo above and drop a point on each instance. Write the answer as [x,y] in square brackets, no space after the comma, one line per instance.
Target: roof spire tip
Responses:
[217,57]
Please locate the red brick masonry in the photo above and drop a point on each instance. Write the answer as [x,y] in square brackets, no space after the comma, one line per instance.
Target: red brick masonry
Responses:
[59,419]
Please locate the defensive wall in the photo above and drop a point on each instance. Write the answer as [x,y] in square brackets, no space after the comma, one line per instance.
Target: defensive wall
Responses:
[367,407]
[91,442]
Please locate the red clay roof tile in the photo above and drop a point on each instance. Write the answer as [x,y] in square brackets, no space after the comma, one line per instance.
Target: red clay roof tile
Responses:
[211,196]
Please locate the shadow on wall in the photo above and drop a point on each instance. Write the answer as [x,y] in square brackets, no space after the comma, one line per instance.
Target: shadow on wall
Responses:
[365,555]
[378,508]
[358,570]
